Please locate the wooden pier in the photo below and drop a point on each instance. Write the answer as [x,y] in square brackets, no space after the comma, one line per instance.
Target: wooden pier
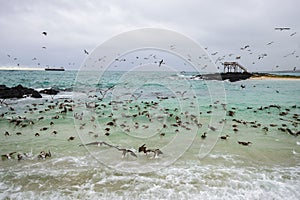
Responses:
[235,67]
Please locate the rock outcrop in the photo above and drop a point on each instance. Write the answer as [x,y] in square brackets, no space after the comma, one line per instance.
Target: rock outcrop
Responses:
[18,91]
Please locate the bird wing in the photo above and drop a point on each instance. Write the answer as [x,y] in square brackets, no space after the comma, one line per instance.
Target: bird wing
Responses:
[93,143]
[10,154]
[109,145]
[132,153]
[158,151]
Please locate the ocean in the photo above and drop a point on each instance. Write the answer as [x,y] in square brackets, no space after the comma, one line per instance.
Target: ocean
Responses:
[169,111]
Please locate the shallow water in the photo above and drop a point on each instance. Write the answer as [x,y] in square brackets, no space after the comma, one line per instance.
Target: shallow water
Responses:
[189,168]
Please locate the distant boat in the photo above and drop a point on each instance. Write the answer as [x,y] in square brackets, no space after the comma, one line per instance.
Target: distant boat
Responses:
[55,69]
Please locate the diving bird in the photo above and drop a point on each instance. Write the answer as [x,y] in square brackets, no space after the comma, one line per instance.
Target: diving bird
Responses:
[8,156]
[156,152]
[203,136]
[126,151]
[44,155]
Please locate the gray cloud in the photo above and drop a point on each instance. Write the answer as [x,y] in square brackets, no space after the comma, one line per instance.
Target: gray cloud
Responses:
[222,26]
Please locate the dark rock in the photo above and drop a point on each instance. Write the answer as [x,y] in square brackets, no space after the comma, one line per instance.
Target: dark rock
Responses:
[36,94]
[50,91]
[17,92]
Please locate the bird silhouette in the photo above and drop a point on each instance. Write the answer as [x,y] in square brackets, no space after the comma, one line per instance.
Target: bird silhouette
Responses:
[125,151]
[244,143]
[97,144]
[224,137]
[86,52]
[7,156]
[44,33]
[160,62]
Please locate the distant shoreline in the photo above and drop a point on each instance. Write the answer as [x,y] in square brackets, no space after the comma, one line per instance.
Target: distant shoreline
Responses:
[265,76]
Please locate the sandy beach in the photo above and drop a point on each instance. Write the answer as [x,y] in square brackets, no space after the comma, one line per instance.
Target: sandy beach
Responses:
[275,78]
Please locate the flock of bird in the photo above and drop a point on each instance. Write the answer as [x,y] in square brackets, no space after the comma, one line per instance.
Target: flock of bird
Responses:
[218,59]
[125,151]
[86,52]
[133,116]
[177,121]
[260,56]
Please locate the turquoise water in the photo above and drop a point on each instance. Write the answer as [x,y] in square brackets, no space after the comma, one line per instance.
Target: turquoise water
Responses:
[143,107]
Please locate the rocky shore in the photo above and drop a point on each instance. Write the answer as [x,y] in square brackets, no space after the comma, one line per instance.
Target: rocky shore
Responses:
[20,91]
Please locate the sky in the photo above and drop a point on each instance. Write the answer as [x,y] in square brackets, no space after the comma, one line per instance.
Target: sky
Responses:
[229,30]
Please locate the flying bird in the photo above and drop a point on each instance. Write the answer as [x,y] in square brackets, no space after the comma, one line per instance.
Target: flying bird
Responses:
[8,155]
[262,56]
[160,62]
[44,33]
[97,144]
[270,43]
[86,52]
[125,151]
[245,47]
[293,34]
[289,54]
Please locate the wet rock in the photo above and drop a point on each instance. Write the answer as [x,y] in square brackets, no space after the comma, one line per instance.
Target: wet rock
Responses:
[18,91]
[50,91]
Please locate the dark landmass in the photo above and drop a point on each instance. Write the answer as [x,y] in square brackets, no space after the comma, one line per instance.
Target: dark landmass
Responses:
[20,91]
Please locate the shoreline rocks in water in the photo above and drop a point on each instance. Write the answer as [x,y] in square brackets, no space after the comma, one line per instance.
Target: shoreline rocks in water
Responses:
[50,91]
[20,91]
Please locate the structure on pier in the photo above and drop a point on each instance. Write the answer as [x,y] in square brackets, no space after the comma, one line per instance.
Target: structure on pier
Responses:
[234,67]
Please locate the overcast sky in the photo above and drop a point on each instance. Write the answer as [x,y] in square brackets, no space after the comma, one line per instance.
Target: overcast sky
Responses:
[221,26]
